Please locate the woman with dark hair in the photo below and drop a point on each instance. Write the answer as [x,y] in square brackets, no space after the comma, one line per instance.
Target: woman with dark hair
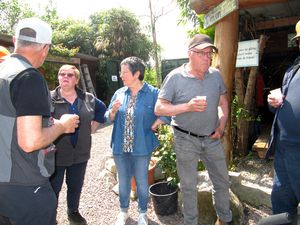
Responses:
[133,139]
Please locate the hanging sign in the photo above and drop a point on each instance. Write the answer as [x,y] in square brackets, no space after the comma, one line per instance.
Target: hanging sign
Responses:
[114,78]
[219,12]
[248,54]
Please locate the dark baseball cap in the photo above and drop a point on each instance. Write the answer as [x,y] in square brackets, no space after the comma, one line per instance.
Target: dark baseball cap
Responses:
[201,41]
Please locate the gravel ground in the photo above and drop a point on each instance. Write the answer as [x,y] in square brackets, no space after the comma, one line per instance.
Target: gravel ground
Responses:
[100,205]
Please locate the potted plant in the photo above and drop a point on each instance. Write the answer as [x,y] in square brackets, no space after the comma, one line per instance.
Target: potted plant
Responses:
[165,193]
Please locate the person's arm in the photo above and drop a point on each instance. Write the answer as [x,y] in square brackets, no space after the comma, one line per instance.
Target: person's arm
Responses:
[94,126]
[156,123]
[165,108]
[114,109]
[223,112]
[29,95]
[32,136]
[100,109]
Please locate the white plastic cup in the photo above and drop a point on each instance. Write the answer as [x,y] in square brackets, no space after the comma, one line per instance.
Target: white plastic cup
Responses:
[120,97]
[201,97]
[277,94]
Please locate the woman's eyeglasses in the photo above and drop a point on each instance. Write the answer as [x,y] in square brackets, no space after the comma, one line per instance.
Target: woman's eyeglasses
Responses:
[69,75]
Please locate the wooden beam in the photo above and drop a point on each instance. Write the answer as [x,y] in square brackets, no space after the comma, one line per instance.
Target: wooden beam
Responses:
[203,6]
[62,60]
[226,39]
[256,3]
[264,25]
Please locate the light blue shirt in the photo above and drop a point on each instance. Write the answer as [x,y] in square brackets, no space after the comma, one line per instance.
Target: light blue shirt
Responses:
[145,141]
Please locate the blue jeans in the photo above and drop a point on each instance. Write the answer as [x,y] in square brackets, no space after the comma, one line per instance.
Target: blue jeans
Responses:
[74,180]
[127,167]
[286,185]
[189,150]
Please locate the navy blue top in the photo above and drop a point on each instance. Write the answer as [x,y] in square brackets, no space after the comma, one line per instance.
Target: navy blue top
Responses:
[98,116]
[288,118]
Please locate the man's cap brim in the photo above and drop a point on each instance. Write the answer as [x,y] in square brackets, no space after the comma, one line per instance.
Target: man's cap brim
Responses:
[203,46]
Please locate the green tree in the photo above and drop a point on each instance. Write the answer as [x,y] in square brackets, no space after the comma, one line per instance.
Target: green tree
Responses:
[189,15]
[150,76]
[119,35]
[11,11]
[74,34]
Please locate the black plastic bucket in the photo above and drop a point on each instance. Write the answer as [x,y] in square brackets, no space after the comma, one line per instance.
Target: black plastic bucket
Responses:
[164,197]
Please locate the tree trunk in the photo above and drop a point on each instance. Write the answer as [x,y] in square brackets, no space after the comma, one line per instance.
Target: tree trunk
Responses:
[226,35]
[239,86]
[153,30]
[243,125]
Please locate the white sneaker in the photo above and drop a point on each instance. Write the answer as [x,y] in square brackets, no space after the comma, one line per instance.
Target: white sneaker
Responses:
[121,219]
[143,219]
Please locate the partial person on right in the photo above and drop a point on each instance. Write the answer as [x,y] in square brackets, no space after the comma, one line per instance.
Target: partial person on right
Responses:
[285,140]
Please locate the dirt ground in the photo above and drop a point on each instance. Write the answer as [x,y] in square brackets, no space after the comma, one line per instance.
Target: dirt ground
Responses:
[100,206]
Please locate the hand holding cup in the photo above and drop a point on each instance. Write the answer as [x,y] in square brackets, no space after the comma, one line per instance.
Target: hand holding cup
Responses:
[201,103]
[275,98]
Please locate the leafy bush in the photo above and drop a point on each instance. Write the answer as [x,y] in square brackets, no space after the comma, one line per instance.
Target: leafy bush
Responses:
[166,157]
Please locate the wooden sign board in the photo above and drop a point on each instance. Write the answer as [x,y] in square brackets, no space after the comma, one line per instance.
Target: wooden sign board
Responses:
[219,12]
[248,53]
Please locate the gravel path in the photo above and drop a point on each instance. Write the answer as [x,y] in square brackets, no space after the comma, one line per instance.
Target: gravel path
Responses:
[100,206]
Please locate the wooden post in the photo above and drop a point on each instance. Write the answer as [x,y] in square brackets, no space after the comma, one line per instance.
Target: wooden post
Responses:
[226,40]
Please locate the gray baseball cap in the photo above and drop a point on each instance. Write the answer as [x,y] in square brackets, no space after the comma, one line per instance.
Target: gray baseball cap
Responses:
[41,31]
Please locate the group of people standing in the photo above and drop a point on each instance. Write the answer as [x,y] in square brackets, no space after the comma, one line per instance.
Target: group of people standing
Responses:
[46,136]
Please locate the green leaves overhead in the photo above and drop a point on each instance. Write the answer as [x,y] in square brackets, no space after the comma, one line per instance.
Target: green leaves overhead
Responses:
[119,35]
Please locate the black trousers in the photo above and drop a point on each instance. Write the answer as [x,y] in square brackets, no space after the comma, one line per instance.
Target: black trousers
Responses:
[27,205]
[74,180]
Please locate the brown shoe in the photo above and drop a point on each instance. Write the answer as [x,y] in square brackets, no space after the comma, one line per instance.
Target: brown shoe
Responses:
[220,222]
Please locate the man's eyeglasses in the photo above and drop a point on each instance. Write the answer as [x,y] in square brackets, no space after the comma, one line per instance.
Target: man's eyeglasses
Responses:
[69,75]
[49,45]
[203,53]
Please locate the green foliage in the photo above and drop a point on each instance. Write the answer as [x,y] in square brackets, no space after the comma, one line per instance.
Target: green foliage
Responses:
[119,35]
[61,50]
[165,154]
[189,15]
[11,11]
[238,112]
[50,12]
[186,13]
[75,35]
[150,76]
[50,71]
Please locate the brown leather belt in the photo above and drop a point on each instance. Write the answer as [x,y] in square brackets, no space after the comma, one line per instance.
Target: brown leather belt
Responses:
[190,133]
